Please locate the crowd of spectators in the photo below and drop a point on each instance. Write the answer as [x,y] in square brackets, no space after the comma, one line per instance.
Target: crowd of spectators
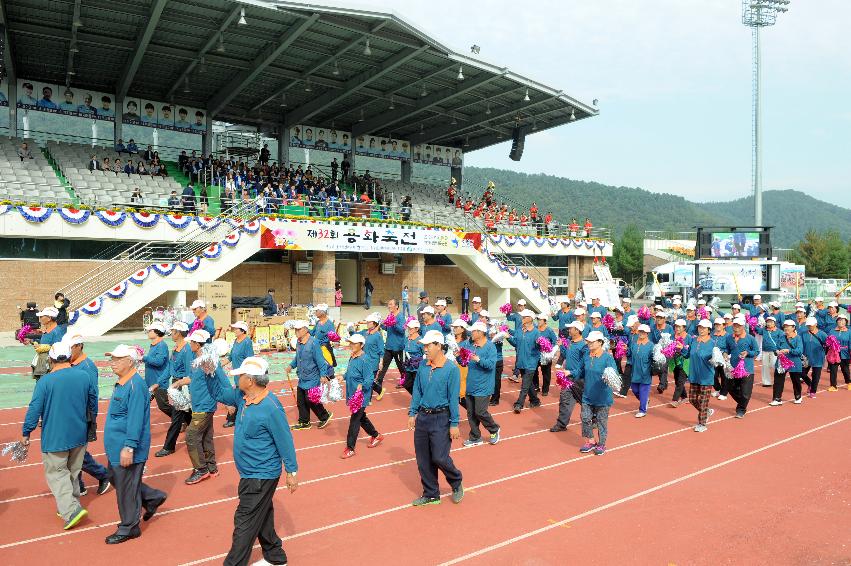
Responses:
[136,163]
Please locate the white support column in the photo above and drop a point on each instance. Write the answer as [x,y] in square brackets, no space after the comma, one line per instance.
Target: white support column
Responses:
[497,296]
[176,298]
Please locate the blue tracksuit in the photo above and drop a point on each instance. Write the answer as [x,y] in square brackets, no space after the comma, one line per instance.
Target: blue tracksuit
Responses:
[746,344]
[701,370]
[128,421]
[396,335]
[156,363]
[238,352]
[320,331]
[61,400]
[310,364]
[528,351]
[480,374]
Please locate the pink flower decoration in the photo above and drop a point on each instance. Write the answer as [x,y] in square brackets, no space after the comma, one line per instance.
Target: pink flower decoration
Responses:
[609,321]
[620,349]
[465,317]
[464,357]
[22,333]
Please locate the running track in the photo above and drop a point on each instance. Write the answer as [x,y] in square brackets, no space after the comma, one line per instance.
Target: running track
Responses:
[773,487]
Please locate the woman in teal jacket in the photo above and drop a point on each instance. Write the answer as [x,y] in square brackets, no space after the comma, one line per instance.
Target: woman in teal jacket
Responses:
[701,373]
[843,336]
[792,347]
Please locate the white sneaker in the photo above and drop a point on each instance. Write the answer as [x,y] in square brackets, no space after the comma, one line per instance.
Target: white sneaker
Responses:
[640,414]
[700,428]
[798,401]
[617,394]
[715,394]
[722,397]
[262,562]
[775,403]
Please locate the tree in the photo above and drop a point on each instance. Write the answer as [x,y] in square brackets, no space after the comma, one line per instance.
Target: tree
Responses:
[628,254]
[824,255]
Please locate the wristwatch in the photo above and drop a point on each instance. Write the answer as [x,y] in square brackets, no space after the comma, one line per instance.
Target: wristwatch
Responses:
[128,448]
[291,474]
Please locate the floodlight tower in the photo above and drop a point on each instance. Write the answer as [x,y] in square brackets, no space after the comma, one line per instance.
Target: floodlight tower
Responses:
[758,14]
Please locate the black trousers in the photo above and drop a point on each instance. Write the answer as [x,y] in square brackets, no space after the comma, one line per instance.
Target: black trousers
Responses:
[465,306]
[410,377]
[720,384]
[526,388]
[843,365]
[385,365]
[178,418]
[254,519]
[431,445]
[305,406]
[680,379]
[497,385]
[626,379]
[813,379]
[359,421]
[477,413]
[546,375]
[740,390]
[780,382]
[663,379]
[132,495]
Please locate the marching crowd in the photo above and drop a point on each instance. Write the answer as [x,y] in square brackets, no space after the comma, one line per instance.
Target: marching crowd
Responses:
[445,365]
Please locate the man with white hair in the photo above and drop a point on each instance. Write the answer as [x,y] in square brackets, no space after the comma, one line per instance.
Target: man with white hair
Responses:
[126,441]
[51,332]
[433,416]
[428,321]
[62,399]
[564,316]
[324,326]
[241,349]
[528,354]
[480,372]
[514,317]
[571,354]
[312,370]
[261,442]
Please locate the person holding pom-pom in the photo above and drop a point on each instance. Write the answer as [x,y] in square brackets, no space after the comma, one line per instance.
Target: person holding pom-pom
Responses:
[701,373]
[545,361]
[656,331]
[394,326]
[597,396]
[839,359]
[741,346]
[413,354]
[312,370]
[525,342]
[480,368]
[791,349]
[571,354]
[358,377]
[640,356]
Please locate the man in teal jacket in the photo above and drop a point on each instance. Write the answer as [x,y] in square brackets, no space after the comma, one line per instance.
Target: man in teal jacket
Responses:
[312,369]
[480,384]
[61,400]
[127,441]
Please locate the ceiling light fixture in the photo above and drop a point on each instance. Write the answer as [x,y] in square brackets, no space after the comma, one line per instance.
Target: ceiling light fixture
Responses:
[361,115]
[488,111]
[77,23]
[572,114]
[221,47]
[460,73]
[202,64]
[336,70]
[242,20]
[392,105]
[283,100]
[467,141]
[366,50]
[307,85]
[423,92]
[74,48]
[526,98]
[185,83]
[422,129]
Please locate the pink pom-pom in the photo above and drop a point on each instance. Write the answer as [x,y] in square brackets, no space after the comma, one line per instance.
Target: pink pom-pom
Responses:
[506,309]
[785,362]
[740,371]
[465,317]
[702,313]
[139,351]
[620,349]
[314,394]
[753,322]
[463,357]
[609,321]
[545,345]
[670,350]
[22,333]
[833,347]
[389,321]
[644,313]
[333,337]
[355,402]
[503,328]
[441,322]
[562,380]
[563,342]
[197,325]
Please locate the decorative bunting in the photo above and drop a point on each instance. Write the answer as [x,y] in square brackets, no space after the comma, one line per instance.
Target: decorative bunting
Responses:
[35,213]
[118,291]
[190,264]
[139,277]
[73,317]
[232,239]
[111,217]
[73,215]
[164,269]
[208,222]
[145,219]
[4,208]
[178,221]
[251,227]
[213,252]
[93,308]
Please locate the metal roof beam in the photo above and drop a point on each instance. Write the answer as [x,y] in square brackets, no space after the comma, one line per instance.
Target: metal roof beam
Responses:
[231,18]
[142,41]
[388,118]
[69,68]
[263,59]
[322,63]
[357,82]
[448,130]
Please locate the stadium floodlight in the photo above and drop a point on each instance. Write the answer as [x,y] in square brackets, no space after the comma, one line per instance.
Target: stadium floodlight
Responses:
[460,73]
[526,97]
[422,129]
[758,14]
[242,20]
[475,49]
[366,50]
[336,70]
[221,47]
[283,100]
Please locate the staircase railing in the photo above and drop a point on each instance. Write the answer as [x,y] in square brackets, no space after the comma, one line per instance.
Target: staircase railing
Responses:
[125,262]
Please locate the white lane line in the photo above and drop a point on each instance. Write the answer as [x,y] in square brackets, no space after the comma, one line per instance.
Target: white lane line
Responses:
[639,494]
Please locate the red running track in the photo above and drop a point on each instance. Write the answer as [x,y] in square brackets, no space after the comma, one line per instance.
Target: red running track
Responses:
[772,487]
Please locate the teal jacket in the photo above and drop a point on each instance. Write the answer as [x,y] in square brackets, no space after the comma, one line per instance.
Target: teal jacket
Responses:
[128,421]
[437,388]
[61,400]
[480,374]
[701,370]
[156,363]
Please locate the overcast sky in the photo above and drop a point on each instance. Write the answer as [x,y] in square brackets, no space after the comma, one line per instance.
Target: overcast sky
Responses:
[673,78]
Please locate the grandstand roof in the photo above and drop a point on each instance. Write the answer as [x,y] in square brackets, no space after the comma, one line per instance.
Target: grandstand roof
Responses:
[310,57]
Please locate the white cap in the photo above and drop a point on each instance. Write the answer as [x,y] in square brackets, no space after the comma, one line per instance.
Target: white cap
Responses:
[799,304]
[200,336]
[241,325]
[296,324]
[819,299]
[179,325]
[428,309]
[222,347]
[727,316]
[720,320]
[800,309]
[157,325]
[680,322]
[125,351]
[774,304]
[660,314]
[833,304]
[626,300]
[49,311]
[440,303]
[770,318]
[789,322]
[522,302]
[705,323]
[595,335]
[736,306]
[73,339]
[60,349]
[811,321]
[577,324]
[678,296]
[321,307]
[526,313]
[708,309]
[542,316]
[484,313]
[658,307]
[413,323]
[631,319]
[579,311]
[619,309]
[372,317]
[252,365]
[740,320]
[433,336]
[596,314]
[757,297]
[842,314]
[643,328]
[198,304]
[459,323]
[690,307]
[360,339]
[477,299]
[677,302]
[480,326]
[701,302]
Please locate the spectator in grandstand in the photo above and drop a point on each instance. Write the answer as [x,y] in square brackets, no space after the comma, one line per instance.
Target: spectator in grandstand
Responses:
[264,154]
[188,198]
[334,167]
[136,197]
[105,109]
[203,200]
[94,163]
[346,168]
[119,147]
[588,226]
[27,98]
[174,201]
[128,167]
[156,167]
[86,107]
[148,155]
[117,167]
[141,169]
[132,147]
[46,96]
[406,208]
[182,160]
[106,165]
[132,113]
[24,151]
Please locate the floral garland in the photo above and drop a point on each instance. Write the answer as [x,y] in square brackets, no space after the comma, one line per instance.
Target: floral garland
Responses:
[35,214]
[74,215]
[111,217]
[118,291]
[145,219]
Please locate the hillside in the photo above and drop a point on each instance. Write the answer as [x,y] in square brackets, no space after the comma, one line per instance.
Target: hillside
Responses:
[792,213]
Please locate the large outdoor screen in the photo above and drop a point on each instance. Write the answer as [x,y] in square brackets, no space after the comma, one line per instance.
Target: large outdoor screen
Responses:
[734,244]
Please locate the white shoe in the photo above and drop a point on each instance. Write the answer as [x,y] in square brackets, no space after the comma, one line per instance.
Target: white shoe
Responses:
[617,394]
[775,403]
[722,397]
[262,562]
[640,414]
[798,401]
[700,428]
[715,394]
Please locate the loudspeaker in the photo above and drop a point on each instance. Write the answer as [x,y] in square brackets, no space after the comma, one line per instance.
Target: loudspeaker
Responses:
[518,140]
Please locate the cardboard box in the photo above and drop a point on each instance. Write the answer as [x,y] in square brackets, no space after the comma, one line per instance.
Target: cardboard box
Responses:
[275,320]
[252,316]
[297,313]
[217,295]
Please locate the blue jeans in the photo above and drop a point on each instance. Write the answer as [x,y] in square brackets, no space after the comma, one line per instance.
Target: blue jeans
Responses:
[601,414]
[406,309]
[93,468]
[368,302]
